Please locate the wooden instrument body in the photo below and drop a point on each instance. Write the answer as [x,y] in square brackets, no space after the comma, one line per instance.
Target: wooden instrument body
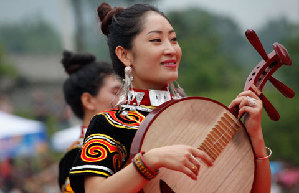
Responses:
[191,121]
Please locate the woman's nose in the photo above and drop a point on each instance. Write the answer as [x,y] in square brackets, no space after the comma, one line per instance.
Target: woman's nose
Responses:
[169,48]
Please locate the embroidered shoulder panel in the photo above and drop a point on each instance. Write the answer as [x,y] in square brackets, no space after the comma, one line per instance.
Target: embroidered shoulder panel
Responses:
[129,120]
[98,147]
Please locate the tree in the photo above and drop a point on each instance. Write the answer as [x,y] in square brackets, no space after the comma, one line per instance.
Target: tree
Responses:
[30,36]
[290,74]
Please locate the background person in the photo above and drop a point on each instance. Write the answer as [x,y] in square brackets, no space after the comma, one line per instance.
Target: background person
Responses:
[90,88]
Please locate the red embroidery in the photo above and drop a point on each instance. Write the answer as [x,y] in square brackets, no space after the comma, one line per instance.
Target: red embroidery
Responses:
[96,150]
[117,161]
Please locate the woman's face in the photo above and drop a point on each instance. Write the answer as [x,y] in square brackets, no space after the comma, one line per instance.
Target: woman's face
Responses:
[156,53]
[107,94]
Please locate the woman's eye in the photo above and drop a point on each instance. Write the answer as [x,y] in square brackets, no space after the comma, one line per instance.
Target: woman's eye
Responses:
[174,39]
[155,40]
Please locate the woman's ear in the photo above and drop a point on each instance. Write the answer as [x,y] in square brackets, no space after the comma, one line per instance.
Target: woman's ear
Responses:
[124,55]
[88,101]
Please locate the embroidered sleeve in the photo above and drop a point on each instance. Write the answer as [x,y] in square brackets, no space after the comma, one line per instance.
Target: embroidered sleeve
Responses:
[106,145]
[102,155]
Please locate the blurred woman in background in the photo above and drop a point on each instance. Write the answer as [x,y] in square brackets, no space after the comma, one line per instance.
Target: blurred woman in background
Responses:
[90,88]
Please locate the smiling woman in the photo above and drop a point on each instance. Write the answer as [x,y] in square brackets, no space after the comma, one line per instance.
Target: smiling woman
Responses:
[145,52]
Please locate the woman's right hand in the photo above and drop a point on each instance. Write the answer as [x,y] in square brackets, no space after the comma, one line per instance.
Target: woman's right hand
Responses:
[181,158]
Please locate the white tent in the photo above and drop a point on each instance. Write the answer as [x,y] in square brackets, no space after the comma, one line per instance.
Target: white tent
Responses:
[61,140]
[12,125]
[20,136]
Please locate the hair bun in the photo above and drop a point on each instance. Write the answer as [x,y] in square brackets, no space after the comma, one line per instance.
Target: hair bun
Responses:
[103,10]
[73,62]
[106,13]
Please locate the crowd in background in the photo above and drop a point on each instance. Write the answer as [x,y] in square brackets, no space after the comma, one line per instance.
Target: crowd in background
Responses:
[28,175]
[34,173]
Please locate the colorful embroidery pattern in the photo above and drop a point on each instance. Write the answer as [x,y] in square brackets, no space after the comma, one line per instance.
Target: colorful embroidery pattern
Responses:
[131,120]
[97,147]
[117,161]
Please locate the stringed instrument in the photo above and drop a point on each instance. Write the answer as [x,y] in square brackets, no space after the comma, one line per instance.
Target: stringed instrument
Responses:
[214,128]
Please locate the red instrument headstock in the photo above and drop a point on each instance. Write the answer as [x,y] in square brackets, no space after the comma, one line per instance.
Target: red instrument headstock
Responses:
[264,70]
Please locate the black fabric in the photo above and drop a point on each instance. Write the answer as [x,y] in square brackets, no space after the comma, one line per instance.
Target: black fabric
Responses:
[65,164]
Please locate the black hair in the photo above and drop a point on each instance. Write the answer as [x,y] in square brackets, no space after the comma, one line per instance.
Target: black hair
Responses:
[121,27]
[85,75]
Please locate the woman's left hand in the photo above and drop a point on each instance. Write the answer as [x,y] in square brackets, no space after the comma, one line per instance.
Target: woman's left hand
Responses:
[251,107]
[250,104]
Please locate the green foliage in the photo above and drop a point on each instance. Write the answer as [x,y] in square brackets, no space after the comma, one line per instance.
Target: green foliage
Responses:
[30,36]
[282,136]
[289,74]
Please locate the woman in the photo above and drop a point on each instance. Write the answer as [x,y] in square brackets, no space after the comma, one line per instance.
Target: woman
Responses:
[145,52]
[90,88]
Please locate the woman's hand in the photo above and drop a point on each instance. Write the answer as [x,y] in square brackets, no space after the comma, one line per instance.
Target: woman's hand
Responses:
[251,107]
[181,158]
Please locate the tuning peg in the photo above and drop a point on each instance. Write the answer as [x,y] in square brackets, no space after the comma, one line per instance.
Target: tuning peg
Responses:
[256,43]
[284,89]
[270,109]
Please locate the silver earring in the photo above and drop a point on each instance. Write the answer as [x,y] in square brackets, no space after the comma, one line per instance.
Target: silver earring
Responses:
[127,85]
[177,92]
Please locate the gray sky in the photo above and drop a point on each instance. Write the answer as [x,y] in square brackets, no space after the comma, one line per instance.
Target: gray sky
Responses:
[248,14]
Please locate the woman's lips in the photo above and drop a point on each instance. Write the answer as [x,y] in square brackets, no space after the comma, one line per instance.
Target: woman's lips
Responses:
[169,63]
